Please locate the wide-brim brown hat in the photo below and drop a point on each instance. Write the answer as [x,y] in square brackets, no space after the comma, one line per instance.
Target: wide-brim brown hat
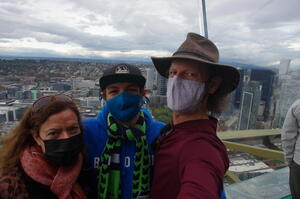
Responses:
[199,48]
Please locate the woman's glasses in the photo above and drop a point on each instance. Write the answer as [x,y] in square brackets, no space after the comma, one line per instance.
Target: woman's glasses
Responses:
[38,104]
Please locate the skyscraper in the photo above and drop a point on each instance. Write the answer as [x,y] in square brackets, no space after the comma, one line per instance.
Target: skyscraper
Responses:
[150,77]
[250,101]
[161,85]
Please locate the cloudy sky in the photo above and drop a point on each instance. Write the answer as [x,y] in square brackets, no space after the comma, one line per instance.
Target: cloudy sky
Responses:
[248,31]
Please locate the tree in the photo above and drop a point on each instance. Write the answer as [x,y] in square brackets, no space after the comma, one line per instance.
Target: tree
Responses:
[162,114]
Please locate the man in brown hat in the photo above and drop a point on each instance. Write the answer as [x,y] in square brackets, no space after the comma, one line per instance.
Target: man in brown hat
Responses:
[190,161]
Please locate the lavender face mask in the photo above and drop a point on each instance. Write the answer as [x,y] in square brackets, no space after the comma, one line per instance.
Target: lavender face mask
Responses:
[183,96]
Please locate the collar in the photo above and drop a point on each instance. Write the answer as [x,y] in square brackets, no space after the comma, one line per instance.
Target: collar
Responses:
[168,129]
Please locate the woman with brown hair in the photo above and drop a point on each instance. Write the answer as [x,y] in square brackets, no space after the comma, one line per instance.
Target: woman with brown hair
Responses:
[42,156]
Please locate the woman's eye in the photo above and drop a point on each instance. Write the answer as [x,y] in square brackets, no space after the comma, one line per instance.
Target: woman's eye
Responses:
[52,133]
[74,128]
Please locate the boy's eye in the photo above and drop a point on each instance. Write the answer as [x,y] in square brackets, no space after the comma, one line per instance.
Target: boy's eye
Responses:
[113,91]
[132,89]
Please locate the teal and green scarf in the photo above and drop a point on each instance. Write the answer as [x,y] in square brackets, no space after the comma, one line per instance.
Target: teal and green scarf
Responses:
[109,182]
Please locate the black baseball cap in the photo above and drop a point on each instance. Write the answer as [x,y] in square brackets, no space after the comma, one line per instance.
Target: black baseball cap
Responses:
[122,73]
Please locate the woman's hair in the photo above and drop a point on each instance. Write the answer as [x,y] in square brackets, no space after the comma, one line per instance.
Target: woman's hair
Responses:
[21,136]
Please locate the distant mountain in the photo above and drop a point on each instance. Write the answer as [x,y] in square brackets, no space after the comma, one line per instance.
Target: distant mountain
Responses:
[247,66]
[102,60]
[133,60]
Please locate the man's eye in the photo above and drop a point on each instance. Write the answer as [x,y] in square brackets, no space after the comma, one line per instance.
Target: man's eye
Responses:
[187,74]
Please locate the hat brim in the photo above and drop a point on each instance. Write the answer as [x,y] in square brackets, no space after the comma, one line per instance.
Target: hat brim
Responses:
[115,78]
[229,74]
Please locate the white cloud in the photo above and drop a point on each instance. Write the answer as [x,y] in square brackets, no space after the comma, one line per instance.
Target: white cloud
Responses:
[252,31]
[31,43]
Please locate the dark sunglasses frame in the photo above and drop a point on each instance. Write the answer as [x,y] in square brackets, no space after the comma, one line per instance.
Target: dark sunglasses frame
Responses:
[42,101]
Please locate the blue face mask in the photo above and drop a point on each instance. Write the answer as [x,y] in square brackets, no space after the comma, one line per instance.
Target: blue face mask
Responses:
[125,106]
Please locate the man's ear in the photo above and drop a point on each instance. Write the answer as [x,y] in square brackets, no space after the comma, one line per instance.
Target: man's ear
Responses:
[144,91]
[214,84]
[103,97]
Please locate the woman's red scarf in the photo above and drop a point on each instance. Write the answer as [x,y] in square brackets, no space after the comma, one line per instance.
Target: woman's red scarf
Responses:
[62,181]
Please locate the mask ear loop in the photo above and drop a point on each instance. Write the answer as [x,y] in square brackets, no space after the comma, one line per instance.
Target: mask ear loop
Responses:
[146,100]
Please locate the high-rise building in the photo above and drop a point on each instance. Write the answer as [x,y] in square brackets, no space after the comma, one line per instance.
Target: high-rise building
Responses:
[266,79]
[290,85]
[3,95]
[2,116]
[25,94]
[284,66]
[161,85]
[80,83]
[59,86]
[250,103]
[12,91]
[12,113]
[150,78]
[90,102]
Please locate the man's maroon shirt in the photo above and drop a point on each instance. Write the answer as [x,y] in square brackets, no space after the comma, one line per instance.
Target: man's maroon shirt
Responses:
[190,162]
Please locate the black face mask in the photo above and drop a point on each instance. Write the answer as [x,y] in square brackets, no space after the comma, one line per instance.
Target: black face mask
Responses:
[63,152]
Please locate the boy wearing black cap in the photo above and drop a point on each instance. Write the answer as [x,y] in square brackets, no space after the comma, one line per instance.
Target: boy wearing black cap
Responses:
[118,140]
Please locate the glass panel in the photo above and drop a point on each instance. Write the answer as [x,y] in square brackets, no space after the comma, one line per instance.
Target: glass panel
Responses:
[272,185]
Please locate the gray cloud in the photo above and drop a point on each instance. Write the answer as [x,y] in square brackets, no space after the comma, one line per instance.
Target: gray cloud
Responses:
[257,32]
